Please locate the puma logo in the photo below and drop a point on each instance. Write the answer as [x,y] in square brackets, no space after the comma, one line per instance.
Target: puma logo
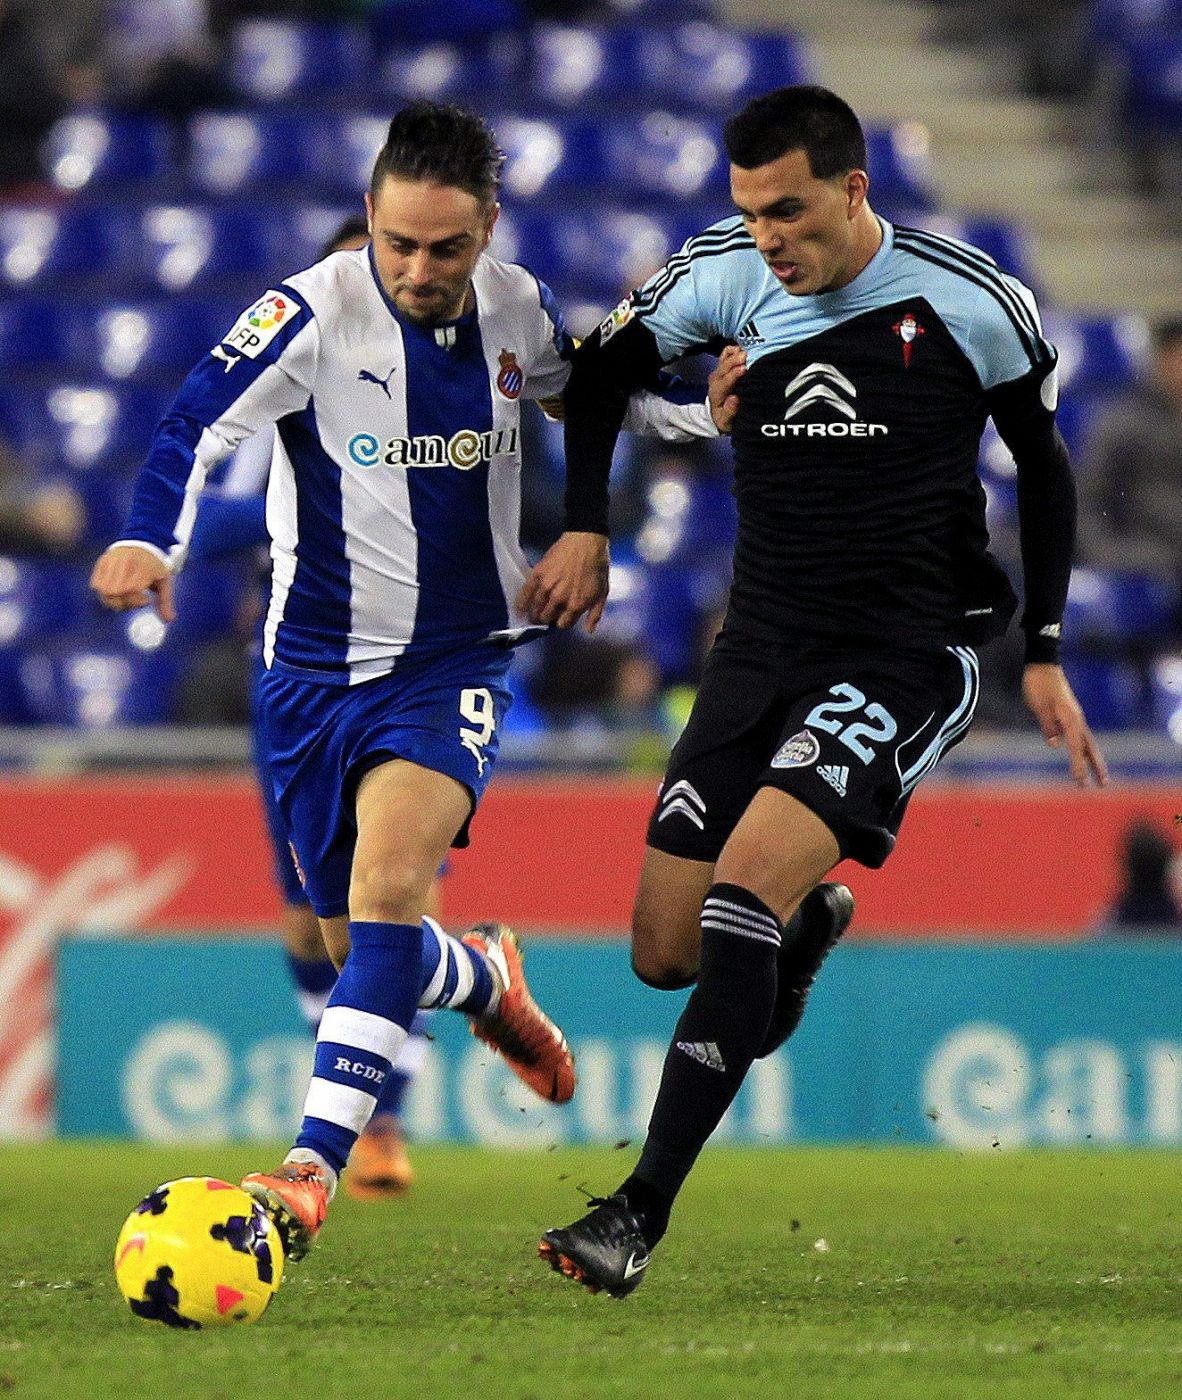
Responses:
[365,376]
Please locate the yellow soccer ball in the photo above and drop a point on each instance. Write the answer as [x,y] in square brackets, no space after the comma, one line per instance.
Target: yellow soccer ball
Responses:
[198,1252]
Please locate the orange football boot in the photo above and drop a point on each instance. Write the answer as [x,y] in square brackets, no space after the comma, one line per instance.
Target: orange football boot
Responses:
[295,1195]
[379,1166]
[533,1046]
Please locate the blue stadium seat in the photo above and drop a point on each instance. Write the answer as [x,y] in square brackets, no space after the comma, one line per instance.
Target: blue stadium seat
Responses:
[294,238]
[95,149]
[159,340]
[340,150]
[99,686]
[572,66]
[606,251]
[544,157]
[31,333]
[40,599]
[394,22]
[1118,609]
[1109,691]
[84,426]
[193,245]
[700,66]
[1153,96]
[41,248]
[275,60]
[476,75]
[900,163]
[1098,353]
[1120,21]
[1165,687]
[249,153]
[661,155]
[529,237]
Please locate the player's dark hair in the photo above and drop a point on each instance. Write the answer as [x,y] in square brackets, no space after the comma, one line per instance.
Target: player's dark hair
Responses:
[444,145]
[355,226]
[803,118]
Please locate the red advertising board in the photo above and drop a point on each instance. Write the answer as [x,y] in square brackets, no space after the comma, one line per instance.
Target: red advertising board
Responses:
[93,855]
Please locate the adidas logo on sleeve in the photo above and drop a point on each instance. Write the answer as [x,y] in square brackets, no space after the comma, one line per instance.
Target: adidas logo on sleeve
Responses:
[836,775]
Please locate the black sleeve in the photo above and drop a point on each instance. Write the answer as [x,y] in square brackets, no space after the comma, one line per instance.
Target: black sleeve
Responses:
[602,379]
[1046,507]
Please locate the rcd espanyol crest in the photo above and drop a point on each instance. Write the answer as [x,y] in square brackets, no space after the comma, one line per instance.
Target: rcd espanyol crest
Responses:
[511,379]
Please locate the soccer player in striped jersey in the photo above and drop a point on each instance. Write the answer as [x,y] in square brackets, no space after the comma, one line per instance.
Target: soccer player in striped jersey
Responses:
[393,375]
[862,584]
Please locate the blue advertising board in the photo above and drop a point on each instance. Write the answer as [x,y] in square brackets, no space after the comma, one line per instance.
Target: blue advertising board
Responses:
[971,1046]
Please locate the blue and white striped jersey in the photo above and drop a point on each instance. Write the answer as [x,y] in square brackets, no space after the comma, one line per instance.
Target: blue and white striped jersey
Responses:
[393,500]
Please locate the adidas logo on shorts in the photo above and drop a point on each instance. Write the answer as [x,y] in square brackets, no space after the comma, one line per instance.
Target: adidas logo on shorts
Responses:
[836,775]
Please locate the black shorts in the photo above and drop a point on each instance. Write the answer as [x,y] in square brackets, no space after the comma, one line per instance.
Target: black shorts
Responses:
[847,733]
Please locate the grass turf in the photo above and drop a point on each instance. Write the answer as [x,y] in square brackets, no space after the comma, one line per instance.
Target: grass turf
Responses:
[851,1273]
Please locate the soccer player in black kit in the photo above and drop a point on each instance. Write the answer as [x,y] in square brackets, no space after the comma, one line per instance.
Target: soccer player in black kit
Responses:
[862,583]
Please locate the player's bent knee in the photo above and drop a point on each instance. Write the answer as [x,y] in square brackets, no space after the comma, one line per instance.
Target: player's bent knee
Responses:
[388,893]
[664,977]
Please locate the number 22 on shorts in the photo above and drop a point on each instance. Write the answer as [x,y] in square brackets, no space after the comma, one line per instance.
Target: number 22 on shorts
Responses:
[476,706]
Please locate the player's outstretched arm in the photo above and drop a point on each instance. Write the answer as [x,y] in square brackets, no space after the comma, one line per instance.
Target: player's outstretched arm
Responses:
[127,576]
[568,582]
[1052,702]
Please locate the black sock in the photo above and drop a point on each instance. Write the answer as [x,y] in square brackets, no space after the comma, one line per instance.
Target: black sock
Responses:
[723,1025]
[807,939]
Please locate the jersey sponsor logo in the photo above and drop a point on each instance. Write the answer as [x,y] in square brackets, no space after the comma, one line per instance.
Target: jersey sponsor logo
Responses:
[799,751]
[750,336]
[464,450]
[618,319]
[511,379]
[822,386]
[907,329]
[837,775]
[255,329]
[683,797]
[365,376]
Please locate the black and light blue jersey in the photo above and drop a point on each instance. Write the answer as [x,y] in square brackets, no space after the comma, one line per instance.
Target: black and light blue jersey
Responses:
[393,497]
[861,515]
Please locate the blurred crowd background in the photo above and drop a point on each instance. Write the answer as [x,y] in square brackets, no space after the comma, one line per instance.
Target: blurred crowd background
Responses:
[164,162]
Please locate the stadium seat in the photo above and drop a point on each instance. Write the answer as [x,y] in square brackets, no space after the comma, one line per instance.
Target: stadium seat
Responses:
[1153,97]
[549,156]
[699,66]
[477,75]
[1109,691]
[249,153]
[1113,609]
[31,333]
[99,686]
[93,149]
[158,340]
[275,60]
[42,248]
[1165,696]
[339,152]
[660,155]
[900,163]
[40,598]
[573,66]
[1098,353]
[607,251]
[192,245]
[83,426]
[420,22]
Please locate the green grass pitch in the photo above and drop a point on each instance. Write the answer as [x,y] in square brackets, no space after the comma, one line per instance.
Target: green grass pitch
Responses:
[852,1273]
